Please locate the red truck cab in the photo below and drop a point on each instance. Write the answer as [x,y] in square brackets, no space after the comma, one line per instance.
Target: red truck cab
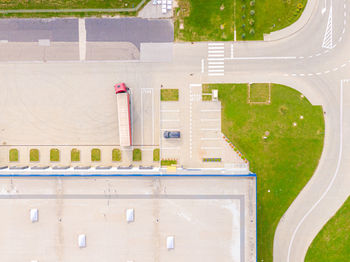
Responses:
[120,88]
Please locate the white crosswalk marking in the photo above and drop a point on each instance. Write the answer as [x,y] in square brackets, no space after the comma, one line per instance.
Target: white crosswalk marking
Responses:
[216,53]
[327,40]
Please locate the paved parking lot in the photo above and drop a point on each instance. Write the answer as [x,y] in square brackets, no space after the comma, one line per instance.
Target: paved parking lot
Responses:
[74,106]
[180,207]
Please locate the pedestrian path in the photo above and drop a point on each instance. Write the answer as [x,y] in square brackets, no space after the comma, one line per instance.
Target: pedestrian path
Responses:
[216,60]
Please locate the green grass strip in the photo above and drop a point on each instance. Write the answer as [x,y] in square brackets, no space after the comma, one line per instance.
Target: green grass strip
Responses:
[285,160]
[34,155]
[136,154]
[116,155]
[95,154]
[13,155]
[333,242]
[75,155]
[156,154]
[54,155]
[169,94]
[168,162]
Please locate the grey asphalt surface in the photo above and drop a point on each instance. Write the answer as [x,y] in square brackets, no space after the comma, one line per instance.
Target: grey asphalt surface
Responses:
[134,30]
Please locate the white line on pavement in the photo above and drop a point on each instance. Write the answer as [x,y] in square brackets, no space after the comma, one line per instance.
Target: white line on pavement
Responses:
[216,59]
[211,110]
[213,44]
[215,52]
[170,120]
[82,39]
[215,47]
[264,57]
[202,65]
[215,63]
[215,70]
[211,147]
[216,66]
[216,55]
[195,85]
[170,111]
[215,74]
[333,178]
[171,148]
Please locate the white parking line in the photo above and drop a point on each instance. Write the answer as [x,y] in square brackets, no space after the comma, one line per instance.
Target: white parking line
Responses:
[202,63]
[170,111]
[216,59]
[82,39]
[210,119]
[171,148]
[213,44]
[215,47]
[215,70]
[215,74]
[211,148]
[216,55]
[216,66]
[215,63]
[215,51]
[210,110]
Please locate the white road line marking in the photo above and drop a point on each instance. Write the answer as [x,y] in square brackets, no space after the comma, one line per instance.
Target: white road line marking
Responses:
[211,147]
[215,74]
[210,119]
[170,110]
[333,178]
[318,54]
[213,44]
[215,70]
[170,120]
[343,65]
[210,129]
[294,74]
[216,59]
[171,148]
[216,66]
[335,69]
[310,74]
[215,63]
[264,58]
[210,110]
[215,52]
[318,73]
[326,72]
[215,55]
[82,39]
[195,85]
[216,47]
[328,36]
[202,65]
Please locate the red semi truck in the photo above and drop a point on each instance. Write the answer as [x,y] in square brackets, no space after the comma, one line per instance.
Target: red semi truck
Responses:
[123,101]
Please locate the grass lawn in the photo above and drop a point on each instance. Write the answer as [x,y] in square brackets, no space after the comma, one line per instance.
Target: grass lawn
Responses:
[333,242]
[34,155]
[215,20]
[259,93]
[95,154]
[156,154]
[136,154]
[67,4]
[168,162]
[116,155]
[286,160]
[169,94]
[13,155]
[54,155]
[75,155]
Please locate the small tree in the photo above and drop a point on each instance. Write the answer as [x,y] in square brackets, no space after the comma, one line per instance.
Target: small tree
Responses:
[243,16]
[252,31]
[243,36]
[243,26]
[252,3]
[252,12]
[243,7]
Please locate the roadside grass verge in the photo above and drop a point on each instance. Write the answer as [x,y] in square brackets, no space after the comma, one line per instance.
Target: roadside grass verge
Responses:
[13,155]
[333,242]
[216,20]
[169,94]
[168,162]
[136,154]
[156,154]
[75,155]
[259,93]
[54,155]
[284,161]
[34,155]
[64,4]
[95,154]
[116,155]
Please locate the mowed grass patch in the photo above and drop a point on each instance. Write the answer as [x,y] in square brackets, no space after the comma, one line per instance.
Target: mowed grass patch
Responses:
[168,162]
[54,155]
[34,155]
[13,155]
[259,93]
[156,154]
[95,154]
[169,94]
[286,160]
[269,15]
[116,155]
[198,20]
[75,155]
[136,154]
[333,242]
[67,4]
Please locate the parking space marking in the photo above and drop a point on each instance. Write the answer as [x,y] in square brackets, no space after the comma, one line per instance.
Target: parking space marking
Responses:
[215,74]
[210,119]
[170,120]
[82,39]
[211,147]
[215,63]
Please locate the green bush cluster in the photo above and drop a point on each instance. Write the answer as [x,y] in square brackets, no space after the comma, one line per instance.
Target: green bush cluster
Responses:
[248,18]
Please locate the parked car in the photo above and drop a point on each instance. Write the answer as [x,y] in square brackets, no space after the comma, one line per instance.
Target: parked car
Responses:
[171,134]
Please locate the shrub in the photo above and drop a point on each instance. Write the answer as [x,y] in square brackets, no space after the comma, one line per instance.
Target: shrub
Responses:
[243,35]
[252,3]
[243,16]
[156,154]
[243,26]
[75,155]
[252,12]
[252,31]
[243,7]
[136,154]
[251,22]
[54,155]
[13,155]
